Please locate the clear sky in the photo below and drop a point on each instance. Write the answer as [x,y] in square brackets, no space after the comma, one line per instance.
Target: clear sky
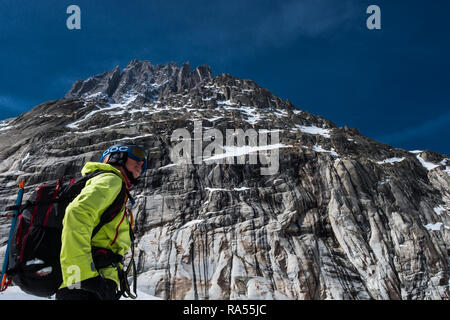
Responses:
[392,84]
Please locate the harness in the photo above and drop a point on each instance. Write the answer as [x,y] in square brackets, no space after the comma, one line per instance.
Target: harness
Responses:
[103,258]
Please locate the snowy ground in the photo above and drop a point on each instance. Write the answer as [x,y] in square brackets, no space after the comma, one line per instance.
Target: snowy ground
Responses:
[14,293]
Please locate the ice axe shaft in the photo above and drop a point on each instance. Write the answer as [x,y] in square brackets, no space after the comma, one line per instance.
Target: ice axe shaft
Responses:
[5,283]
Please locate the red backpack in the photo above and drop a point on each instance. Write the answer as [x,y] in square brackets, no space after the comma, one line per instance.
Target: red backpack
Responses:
[35,245]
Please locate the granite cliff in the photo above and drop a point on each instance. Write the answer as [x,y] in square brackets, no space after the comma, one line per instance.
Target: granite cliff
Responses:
[342,217]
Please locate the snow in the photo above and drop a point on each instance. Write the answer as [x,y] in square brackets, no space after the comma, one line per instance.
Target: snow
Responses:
[141,109]
[216,189]
[314,130]
[94,96]
[269,131]
[4,124]
[136,137]
[213,118]
[447,170]
[225,102]
[121,108]
[439,210]
[129,98]
[430,165]
[436,226]
[233,151]
[25,158]
[117,113]
[281,113]
[427,165]
[253,116]
[15,293]
[391,160]
[221,189]
[318,148]
[5,128]
[241,189]
[383,182]
[74,125]
[192,223]
[158,85]
[168,166]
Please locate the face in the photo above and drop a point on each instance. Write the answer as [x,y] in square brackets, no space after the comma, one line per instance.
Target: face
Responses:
[135,167]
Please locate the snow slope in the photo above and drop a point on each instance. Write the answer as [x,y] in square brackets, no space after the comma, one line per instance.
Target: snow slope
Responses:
[15,293]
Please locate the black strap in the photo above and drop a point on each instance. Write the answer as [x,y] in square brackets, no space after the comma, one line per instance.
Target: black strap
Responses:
[114,209]
[12,208]
[105,257]
[21,207]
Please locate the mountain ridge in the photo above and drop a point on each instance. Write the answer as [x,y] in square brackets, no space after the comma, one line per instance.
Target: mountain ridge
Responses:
[142,77]
[344,217]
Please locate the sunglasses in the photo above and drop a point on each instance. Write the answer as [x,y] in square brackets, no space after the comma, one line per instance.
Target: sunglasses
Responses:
[137,153]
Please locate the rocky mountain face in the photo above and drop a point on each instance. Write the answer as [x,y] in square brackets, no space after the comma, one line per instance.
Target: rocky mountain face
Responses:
[340,216]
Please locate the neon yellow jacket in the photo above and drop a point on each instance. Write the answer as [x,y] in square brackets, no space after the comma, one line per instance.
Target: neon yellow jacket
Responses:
[81,217]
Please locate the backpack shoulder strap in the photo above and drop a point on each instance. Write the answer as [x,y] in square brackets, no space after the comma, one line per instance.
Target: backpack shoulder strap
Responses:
[96,173]
[114,209]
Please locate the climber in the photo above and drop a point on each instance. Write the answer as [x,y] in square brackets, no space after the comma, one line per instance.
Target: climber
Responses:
[92,268]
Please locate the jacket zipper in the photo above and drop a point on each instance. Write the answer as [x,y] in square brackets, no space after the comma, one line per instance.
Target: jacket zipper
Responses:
[117,228]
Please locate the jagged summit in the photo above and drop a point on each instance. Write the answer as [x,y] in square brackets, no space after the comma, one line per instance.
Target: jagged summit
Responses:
[142,78]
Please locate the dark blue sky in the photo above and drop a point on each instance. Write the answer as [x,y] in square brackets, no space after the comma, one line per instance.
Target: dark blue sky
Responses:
[392,84]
